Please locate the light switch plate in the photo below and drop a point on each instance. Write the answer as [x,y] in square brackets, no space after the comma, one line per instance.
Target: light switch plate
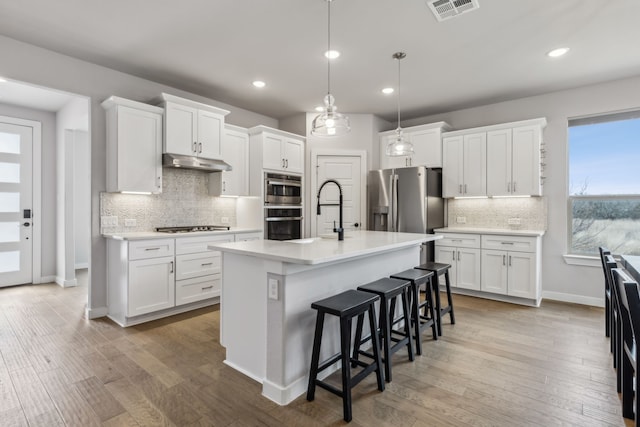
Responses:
[224,220]
[130,222]
[514,221]
[273,289]
[461,219]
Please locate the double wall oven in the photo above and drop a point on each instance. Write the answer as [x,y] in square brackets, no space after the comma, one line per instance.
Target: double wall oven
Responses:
[282,206]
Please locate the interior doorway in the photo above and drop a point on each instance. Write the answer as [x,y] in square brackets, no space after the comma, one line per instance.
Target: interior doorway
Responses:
[349,168]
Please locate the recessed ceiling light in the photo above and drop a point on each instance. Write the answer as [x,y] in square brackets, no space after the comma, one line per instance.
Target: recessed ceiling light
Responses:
[387,90]
[332,54]
[555,53]
[259,84]
[319,109]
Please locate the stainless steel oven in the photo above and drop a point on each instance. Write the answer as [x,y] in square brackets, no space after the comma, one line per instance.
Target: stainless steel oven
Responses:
[282,189]
[282,223]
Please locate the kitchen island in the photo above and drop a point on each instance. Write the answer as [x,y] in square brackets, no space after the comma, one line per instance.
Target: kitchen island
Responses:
[266,321]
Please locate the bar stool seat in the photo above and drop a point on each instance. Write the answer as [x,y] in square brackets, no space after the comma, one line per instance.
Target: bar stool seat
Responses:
[420,321]
[391,339]
[346,306]
[438,269]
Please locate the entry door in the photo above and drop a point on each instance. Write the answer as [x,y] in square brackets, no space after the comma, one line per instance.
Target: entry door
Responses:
[347,170]
[16,240]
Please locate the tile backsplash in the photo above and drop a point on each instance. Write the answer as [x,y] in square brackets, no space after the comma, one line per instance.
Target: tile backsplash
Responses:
[530,212]
[184,200]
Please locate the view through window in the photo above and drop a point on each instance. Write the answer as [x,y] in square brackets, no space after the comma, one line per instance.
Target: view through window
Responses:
[604,184]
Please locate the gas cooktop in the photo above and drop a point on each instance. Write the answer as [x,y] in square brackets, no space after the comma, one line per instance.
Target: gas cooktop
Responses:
[192,228]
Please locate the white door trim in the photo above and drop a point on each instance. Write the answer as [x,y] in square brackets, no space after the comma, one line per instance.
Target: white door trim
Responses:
[315,153]
[36,267]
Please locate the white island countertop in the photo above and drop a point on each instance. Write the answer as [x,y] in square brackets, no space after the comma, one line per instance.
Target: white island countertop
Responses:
[320,250]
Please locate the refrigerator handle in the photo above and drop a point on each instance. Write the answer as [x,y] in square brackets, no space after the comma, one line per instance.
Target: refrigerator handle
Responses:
[395,203]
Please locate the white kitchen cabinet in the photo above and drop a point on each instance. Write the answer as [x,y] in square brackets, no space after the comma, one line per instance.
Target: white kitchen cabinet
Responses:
[514,161]
[151,285]
[235,151]
[509,265]
[192,128]
[462,251]
[464,167]
[134,146]
[427,146]
[277,150]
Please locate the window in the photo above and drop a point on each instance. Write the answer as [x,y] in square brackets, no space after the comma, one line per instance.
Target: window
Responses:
[604,184]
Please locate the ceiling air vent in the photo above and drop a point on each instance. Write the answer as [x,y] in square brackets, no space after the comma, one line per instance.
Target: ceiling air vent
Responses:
[447,9]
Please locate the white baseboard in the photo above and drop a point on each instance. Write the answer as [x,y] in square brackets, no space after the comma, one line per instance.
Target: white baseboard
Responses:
[66,283]
[94,313]
[44,279]
[572,298]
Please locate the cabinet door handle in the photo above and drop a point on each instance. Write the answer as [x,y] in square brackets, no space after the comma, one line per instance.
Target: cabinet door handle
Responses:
[224,187]
[171,271]
[206,263]
[207,287]
[465,189]
[506,243]
[508,187]
[195,146]
[152,249]
[287,163]
[159,179]
[200,147]
[509,260]
[283,163]
[514,186]
[460,189]
[458,255]
[504,260]
[454,254]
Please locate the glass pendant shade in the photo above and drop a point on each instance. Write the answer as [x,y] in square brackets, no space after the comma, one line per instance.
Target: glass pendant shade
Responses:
[330,122]
[400,146]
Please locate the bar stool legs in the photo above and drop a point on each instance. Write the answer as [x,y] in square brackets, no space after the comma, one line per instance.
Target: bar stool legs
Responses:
[346,306]
[439,269]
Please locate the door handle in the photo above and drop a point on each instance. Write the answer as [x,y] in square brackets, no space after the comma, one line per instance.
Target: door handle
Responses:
[195,146]
[171,271]
[27,224]
[509,260]
[286,161]
[504,260]
[200,147]
[460,189]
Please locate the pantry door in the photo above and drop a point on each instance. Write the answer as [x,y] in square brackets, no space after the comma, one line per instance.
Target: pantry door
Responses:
[16,210]
[350,171]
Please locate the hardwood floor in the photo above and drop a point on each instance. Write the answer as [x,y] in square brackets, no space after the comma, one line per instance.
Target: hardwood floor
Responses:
[500,365]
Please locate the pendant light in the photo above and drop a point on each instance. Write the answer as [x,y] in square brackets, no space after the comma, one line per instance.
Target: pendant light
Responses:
[399,146]
[330,122]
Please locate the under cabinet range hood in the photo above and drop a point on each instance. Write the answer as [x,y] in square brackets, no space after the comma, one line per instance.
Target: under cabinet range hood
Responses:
[196,163]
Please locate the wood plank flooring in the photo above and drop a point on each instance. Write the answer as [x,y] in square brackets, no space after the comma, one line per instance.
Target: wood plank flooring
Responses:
[500,365]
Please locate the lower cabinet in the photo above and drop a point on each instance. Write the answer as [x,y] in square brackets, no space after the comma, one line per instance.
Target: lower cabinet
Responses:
[505,267]
[462,251]
[154,278]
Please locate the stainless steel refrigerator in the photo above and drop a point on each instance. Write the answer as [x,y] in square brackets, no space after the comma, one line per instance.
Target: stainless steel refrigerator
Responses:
[408,200]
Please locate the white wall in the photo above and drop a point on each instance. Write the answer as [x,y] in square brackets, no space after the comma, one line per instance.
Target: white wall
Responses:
[48,214]
[559,280]
[28,63]
[82,197]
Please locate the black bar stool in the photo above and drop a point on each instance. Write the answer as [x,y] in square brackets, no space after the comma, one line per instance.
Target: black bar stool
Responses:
[346,306]
[388,290]
[439,268]
[419,320]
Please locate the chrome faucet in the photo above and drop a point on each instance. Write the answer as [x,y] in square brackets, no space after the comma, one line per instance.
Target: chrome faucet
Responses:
[339,229]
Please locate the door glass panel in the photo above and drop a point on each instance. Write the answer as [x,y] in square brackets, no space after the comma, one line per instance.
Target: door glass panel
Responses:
[10,172]
[9,143]
[9,232]
[9,261]
[9,202]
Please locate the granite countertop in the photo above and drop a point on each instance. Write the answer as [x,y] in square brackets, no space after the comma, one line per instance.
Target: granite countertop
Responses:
[499,231]
[146,235]
[319,250]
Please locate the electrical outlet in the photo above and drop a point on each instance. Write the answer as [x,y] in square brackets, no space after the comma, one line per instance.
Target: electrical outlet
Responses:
[109,221]
[461,219]
[224,220]
[129,222]
[513,221]
[273,289]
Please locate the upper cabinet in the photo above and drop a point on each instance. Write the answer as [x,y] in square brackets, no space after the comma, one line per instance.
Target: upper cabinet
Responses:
[464,165]
[192,128]
[235,151]
[498,160]
[277,150]
[134,146]
[427,145]
[514,166]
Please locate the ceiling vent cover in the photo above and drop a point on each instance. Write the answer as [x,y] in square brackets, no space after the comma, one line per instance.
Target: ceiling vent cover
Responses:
[447,9]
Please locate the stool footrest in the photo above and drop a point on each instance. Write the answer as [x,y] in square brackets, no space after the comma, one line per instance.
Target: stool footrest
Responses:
[333,359]
[329,388]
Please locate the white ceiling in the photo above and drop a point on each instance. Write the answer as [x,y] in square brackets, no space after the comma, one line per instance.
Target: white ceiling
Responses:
[217,48]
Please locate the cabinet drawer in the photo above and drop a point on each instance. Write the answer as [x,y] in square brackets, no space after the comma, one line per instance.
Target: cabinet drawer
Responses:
[191,245]
[197,289]
[509,243]
[144,249]
[197,265]
[245,237]
[459,240]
